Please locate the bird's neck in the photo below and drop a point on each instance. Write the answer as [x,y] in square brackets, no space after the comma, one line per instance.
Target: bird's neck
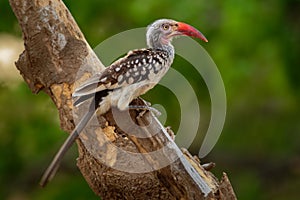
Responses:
[157,42]
[168,48]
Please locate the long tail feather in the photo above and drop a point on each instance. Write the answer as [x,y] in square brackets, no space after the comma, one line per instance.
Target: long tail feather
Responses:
[52,168]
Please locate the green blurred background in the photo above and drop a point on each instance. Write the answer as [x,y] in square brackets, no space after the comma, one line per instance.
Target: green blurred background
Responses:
[256,46]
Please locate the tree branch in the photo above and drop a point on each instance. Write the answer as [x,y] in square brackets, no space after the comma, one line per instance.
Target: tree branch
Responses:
[56,54]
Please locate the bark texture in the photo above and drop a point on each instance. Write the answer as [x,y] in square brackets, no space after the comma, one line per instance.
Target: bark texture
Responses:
[114,160]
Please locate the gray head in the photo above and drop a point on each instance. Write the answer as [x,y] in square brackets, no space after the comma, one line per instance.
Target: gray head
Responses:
[161,32]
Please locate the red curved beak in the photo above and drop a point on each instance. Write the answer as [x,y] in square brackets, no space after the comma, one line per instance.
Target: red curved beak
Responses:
[188,30]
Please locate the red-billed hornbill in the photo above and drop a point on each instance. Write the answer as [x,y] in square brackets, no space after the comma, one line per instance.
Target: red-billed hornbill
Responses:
[126,79]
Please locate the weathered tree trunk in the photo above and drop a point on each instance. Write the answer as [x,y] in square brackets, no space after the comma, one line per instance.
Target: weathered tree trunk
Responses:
[55,49]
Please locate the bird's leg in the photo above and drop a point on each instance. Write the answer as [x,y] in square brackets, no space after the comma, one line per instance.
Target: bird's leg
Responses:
[145,107]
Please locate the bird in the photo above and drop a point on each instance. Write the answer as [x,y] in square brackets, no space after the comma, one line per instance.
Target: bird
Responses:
[126,79]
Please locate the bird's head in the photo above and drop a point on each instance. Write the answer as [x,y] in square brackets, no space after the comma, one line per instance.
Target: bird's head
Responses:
[161,32]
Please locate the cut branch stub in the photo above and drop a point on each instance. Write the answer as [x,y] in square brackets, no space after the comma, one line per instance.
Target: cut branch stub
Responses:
[50,36]
[55,51]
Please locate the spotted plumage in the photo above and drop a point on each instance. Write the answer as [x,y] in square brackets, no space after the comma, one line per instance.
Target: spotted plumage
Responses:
[134,74]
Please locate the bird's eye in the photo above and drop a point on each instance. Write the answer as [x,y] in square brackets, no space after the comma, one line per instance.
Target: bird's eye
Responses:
[165,26]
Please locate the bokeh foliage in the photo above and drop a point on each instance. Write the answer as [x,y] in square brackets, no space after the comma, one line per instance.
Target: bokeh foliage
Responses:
[256,46]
